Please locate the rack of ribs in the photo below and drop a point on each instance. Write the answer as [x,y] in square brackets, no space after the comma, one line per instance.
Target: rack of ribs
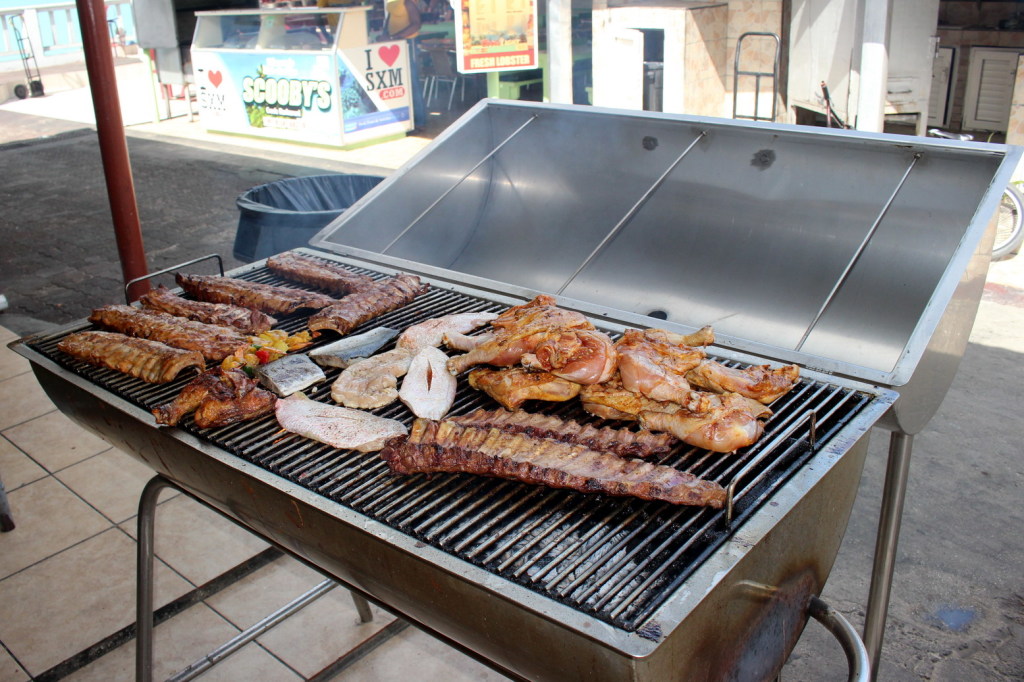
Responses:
[150,361]
[381,297]
[619,441]
[331,277]
[444,446]
[245,320]
[263,297]
[215,343]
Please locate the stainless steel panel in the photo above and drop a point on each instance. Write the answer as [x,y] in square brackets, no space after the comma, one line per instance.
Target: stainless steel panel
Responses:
[751,230]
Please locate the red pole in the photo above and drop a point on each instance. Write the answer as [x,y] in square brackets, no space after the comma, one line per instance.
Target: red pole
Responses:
[99,62]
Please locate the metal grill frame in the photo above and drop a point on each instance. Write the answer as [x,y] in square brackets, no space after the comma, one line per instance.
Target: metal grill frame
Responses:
[165,454]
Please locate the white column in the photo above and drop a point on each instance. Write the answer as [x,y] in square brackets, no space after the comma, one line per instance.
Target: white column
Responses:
[874,65]
[560,50]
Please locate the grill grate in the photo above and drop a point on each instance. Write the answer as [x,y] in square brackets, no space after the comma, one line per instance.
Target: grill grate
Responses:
[616,559]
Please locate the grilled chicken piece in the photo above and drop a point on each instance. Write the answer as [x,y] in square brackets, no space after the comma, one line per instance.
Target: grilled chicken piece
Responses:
[705,336]
[622,442]
[540,313]
[381,297]
[585,356]
[373,382]
[332,277]
[428,388]
[653,364]
[464,342]
[760,382]
[151,361]
[215,343]
[514,386]
[445,446]
[518,331]
[245,320]
[729,422]
[433,332]
[264,297]
[611,401]
[218,398]
[336,426]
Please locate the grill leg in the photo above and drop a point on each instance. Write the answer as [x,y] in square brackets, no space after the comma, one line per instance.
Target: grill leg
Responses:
[363,607]
[6,519]
[889,519]
[144,579]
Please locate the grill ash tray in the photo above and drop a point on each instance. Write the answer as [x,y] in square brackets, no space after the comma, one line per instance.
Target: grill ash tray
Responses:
[616,559]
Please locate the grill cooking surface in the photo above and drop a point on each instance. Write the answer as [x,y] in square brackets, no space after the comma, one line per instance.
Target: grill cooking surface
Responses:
[616,559]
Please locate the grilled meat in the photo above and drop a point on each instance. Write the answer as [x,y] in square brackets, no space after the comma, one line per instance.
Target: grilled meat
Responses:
[331,277]
[381,297]
[622,442]
[585,356]
[428,388]
[448,447]
[244,320]
[611,401]
[518,331]
[215,343]
[143,359]
[373,382]
[514,386]
[433,332]
[760,382]
[218,397]
[540,313]
[705,336]
[264,297]
[465,342]
[726,423]
[653,364]
[336,426]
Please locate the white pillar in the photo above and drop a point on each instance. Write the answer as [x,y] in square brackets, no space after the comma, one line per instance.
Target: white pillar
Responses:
[874,65]
[560,50]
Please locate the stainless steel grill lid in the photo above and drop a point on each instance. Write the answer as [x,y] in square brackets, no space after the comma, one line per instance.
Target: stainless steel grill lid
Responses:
[837,250]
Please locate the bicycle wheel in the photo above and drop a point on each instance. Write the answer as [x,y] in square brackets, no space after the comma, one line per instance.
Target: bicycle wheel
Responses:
[1010,228]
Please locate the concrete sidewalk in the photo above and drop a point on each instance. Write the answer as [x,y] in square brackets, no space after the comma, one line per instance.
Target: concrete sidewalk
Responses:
[957,610]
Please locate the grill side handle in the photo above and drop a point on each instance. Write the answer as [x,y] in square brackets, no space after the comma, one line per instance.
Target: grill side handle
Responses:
[853,646]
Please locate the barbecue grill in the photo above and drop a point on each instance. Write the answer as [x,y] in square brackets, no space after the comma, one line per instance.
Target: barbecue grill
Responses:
[777,236]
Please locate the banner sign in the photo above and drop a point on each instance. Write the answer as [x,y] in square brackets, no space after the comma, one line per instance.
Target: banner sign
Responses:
[330,99]
[376,88]
[496,35]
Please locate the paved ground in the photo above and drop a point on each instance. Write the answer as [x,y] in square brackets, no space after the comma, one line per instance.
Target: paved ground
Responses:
[958,599]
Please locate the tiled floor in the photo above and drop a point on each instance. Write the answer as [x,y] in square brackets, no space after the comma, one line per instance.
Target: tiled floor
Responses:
[67,571]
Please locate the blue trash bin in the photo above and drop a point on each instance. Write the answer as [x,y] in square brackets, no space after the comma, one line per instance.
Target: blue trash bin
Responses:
[285,214]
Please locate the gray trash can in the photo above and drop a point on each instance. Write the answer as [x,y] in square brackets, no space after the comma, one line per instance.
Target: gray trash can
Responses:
[285,214]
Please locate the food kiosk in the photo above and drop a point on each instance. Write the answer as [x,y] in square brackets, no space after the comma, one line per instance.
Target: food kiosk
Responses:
[301,75]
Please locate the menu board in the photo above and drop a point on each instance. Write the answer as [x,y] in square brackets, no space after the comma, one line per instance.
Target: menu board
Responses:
[496,35]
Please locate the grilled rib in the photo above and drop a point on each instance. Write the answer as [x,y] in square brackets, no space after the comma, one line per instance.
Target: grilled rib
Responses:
[263,297]
[331,277]
[245,320]
[381,297]
[151,361]
[446,446]
[622,442]
[215,343]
